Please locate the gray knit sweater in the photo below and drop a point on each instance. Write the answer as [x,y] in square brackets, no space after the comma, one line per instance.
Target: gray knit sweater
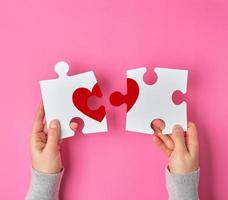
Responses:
[179,187]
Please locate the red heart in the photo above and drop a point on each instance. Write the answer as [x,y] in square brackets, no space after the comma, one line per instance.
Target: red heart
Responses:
[80,99]
[116,98]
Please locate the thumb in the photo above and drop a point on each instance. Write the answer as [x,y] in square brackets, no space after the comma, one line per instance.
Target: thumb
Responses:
[53,133]
[178,138]
[192,139]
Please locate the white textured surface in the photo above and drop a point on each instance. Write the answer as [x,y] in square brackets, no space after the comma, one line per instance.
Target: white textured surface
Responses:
[155,101]
[58,104]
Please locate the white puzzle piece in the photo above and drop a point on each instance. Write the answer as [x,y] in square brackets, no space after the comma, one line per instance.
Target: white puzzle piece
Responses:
[155,101]
[58,104]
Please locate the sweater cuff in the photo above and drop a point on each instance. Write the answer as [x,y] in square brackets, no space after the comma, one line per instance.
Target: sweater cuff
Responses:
[182,186]
[44,186]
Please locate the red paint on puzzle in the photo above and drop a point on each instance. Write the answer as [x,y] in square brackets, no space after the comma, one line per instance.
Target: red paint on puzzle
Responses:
[80,98]
[116,98]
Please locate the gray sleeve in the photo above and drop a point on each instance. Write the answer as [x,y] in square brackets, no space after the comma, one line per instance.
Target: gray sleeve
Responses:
[44,186]
[182,187]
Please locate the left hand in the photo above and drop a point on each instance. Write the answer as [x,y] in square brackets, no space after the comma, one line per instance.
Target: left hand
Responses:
[44,144]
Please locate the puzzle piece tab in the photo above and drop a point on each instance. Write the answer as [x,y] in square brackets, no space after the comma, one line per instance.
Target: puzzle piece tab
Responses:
[155,101]
[117,98]
[66,97]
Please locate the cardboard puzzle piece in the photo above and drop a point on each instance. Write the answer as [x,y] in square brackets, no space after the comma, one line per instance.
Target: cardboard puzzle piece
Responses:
[154,101]
[66,97]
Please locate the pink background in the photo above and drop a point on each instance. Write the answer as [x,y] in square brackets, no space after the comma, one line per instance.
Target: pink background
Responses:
[110,37]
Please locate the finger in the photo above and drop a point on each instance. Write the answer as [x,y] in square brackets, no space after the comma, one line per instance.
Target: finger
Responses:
[38,119]
[36,139]
[158,125]
[178,138]
[167,140]
[192,139]
[161,145]
[74,126]
[53,134]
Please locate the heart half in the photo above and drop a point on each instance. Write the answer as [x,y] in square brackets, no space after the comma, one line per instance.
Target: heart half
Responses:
[80,99]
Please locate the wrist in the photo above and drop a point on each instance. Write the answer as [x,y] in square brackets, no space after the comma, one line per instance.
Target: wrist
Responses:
[182,171]
[47,169]
[46,172]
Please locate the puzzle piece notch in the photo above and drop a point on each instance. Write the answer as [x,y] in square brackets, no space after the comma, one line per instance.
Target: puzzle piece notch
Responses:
[117,99]
[155,101]
[58,104]
[178,97]
[150,77]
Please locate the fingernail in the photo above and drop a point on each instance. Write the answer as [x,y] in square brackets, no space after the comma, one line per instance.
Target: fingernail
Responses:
[54,123]
[177,128]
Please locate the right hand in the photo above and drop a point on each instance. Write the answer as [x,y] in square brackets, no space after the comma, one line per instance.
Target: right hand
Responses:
[181,148]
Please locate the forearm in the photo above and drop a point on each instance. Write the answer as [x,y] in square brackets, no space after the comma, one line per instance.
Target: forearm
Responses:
[44,186]
[182,187]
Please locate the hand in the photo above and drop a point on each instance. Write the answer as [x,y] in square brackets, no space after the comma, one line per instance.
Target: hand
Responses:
[44,144]
[181,148]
